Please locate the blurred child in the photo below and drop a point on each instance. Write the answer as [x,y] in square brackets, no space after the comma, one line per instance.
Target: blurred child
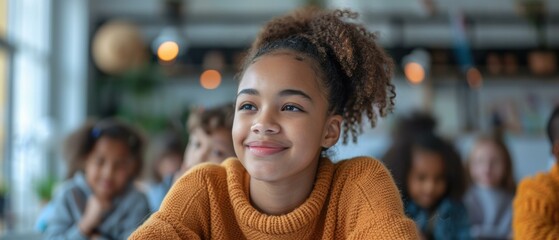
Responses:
[429,173]
[209,136]
[166,150]
[310,77]
[209,141]
[536,206]
[489,198]
[100,200]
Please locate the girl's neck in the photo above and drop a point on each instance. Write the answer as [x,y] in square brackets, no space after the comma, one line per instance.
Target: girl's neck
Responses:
[281,197]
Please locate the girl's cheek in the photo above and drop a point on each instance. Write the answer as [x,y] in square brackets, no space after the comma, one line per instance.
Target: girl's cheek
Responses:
[125,171]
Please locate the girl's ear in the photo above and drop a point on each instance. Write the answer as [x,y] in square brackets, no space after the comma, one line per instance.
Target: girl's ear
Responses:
[332,131]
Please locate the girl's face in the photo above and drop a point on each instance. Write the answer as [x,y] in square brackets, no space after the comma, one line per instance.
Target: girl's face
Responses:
[213,148]
[109,167]
[281,118]
[487,165]
[426,180]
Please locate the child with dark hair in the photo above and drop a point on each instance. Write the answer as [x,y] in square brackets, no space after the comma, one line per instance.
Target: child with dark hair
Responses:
[429,174]
[489,197]
[100,200]
[536,206]
[166,151]
[309,78]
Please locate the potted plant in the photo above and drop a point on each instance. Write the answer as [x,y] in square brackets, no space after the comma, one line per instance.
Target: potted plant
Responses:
[44,188]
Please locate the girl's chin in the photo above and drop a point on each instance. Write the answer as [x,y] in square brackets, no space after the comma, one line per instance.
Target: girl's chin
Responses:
[104,194]
[262,173]
[262,176]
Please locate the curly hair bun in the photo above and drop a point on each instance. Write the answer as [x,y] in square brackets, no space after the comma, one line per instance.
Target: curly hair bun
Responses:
[355,69]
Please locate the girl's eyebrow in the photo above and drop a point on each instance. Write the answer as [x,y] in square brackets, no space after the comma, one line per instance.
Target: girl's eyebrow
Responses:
[248,91]
[294,92]
[283,93]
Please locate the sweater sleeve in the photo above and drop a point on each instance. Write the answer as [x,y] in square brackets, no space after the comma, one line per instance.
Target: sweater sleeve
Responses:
[184,213]
[381,214]
[536,210]
[61,224]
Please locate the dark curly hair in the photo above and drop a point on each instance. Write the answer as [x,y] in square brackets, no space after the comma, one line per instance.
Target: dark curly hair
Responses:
[82,141]
[421,136]
[354,69]
[399,162]
[165,144]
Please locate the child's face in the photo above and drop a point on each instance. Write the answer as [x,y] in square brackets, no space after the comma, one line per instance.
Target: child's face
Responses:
[202,147]
[169,165]
[109,167]
[426,180]
[281,118]
[487,165]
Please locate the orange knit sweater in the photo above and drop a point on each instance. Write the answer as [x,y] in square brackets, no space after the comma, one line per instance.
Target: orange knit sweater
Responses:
[536,207]
[353,199]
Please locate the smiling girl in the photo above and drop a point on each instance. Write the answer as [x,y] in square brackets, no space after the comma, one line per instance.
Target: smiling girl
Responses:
[308,80]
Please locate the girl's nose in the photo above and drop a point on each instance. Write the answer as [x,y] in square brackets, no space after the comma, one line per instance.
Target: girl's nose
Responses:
[108,171]
[265,124]
[267,129]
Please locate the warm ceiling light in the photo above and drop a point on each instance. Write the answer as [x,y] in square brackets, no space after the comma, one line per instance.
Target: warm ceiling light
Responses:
[210,79]
[414,72]
[168,51]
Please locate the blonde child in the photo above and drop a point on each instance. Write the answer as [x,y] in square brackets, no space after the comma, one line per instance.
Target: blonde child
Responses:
[209,141]
[100,200]
[209,136]
[310,77]
[536,206]
[489,198]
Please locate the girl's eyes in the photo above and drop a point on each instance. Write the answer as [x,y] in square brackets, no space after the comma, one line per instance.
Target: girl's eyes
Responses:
[291,108]
[247,106]
[99,160]
[287,107]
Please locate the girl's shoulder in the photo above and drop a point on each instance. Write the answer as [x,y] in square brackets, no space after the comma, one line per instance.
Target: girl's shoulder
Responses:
[360,167]
[366,179]
[203,175]
[212,170]
[543,185]
[71,187]
[449,206]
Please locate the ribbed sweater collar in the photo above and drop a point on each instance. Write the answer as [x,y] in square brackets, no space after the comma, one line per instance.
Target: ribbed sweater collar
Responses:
[294,221]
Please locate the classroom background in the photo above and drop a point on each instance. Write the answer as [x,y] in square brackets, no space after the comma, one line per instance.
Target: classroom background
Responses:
[474,65]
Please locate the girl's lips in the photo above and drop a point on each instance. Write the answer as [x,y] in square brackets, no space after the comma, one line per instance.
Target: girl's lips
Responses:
[264,149]
[106,184]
